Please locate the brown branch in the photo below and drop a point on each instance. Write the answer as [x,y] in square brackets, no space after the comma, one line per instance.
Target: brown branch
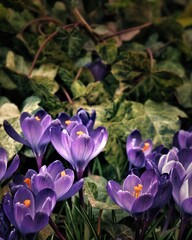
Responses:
[67,95]
[40,50]
[78,74]
[127,30]
[42,19]
[152,61]
[81,20]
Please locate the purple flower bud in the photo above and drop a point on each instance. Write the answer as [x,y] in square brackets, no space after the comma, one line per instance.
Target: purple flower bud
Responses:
[137,149]
[182,139]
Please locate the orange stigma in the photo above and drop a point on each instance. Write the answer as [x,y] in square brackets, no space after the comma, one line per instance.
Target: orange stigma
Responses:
[38,118]
[63,174]
[137,190]
[67,122]
[27,203]
[145,147]
[28,182]
[80,133]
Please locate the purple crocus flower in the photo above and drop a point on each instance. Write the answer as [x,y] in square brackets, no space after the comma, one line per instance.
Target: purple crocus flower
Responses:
[182,158]
[35,130]
[79,146]
[4,171]
[137,149]
[182,139]
[29,213]
[136,195]
[81,117]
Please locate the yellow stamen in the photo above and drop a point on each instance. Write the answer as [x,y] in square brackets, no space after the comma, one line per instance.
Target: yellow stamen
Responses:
[145,147]
[80,133]
[37,118]
[63,174]
[27,203]
[28,182]
[137,190]
[67,122]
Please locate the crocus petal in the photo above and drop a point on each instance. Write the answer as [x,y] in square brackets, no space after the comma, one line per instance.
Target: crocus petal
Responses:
[130,182]
[3,168]
[176,177]
[62,143]
[187,205]
[167,167]
[27,225]
[185,156]
[55,168]
[134,139]
[136,157]
[184,191]
[81,150]
[149,181]
[41,198]
[8,208]
[32,130]
[126,199]
[40,182]
[180,139]
[62,185]
[41,220]
[13,167]
[13,134]
[142,203]
[20,211]
[72,191]
[100,141]
[113,188]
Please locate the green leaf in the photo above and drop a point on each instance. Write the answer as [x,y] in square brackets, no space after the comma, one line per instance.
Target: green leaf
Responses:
[6,82]
[107,51]
[77,88]
[119,231]
[71,42]
[95,190]
[158,121]
[184,94]
[31,105]
[95,93]
[8,111]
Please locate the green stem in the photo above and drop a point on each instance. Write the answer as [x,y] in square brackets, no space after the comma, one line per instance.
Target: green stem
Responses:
[56,230]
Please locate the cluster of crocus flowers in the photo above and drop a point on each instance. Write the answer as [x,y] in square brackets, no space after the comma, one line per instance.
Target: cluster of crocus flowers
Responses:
[34,195]
[165,173]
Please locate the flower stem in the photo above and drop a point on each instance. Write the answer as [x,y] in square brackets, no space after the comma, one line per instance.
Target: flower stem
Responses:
[81,196]
[56,230]
[184,222]
[99,222]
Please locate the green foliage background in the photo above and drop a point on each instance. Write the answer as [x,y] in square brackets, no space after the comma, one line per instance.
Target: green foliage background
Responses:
[45,47]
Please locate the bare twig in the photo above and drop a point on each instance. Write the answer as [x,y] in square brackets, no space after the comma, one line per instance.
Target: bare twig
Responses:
[81,20]
[67,95]
[40,50]
[126,30]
